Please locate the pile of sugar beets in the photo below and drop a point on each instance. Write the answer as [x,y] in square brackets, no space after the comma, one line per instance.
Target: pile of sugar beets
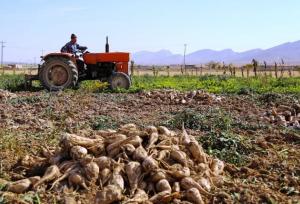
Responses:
[287,116]
[128,165]
[4,95]
[171,96]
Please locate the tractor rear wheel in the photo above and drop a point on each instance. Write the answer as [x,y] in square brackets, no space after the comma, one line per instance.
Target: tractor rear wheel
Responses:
[58,73]
[119,80]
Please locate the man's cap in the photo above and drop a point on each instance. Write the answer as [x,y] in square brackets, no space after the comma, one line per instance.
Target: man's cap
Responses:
[73,36]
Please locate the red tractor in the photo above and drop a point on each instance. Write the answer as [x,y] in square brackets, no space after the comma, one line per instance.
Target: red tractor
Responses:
[63,70]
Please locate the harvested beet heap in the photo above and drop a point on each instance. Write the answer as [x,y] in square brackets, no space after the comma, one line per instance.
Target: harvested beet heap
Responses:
[130,165]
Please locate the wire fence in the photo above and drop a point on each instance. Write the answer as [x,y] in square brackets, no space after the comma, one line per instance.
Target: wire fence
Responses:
[245,71]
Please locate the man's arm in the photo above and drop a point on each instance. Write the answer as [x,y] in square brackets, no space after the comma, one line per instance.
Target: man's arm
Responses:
[64,48]
[82,48]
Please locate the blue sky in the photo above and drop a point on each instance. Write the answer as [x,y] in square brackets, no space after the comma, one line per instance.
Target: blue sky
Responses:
[28,26]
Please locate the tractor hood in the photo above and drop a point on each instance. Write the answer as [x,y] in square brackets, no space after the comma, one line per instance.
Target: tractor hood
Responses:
[94,58]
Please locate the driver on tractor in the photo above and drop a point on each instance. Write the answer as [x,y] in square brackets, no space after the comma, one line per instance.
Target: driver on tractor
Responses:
[72,47]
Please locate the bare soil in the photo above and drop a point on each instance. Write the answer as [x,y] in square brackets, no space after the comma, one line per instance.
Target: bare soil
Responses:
[269,173]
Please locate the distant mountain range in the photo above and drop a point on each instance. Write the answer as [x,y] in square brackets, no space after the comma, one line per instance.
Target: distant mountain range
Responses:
[289,52]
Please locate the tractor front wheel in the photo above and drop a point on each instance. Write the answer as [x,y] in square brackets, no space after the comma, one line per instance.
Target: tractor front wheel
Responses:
[119,80]
[58,73]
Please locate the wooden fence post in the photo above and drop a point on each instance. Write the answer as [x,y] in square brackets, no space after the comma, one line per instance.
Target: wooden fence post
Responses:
[138,70]
[168,71]
[290,72]
[242,69]
[132,67]
[153,70]
[224,68]
[181,69]
[255,65]
[265,66]
[276,70]
[157,71]
[201,70]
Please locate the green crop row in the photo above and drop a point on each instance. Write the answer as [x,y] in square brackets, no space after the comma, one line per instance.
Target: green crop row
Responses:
[219,84]
[210,83]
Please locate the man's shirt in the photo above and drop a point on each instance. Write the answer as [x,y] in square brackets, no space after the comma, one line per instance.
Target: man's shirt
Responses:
[72,48]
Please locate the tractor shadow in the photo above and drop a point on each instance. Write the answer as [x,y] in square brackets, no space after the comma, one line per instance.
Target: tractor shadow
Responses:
[36,87]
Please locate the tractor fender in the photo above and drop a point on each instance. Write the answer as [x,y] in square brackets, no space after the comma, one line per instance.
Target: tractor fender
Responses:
[59,54]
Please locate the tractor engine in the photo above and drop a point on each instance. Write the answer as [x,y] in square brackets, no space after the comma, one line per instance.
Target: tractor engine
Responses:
[100,70]
[103,65]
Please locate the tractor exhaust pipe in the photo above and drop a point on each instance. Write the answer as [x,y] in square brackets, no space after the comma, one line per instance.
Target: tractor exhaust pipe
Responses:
[107,45]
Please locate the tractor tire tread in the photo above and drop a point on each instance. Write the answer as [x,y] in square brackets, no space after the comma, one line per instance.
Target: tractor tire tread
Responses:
[69,63]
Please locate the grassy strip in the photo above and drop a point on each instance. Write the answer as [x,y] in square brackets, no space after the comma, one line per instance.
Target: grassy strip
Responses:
[210,83]
[219,84]
[12,82]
